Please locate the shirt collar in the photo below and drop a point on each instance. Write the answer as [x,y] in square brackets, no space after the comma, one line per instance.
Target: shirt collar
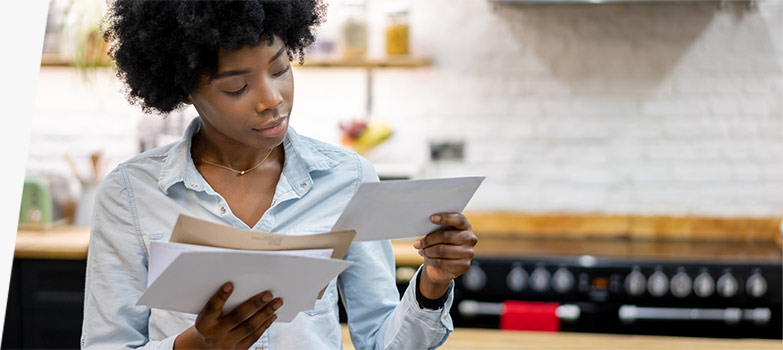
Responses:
[302,157]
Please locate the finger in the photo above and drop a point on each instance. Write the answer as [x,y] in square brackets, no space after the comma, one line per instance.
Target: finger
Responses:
[456,220]
[251,325]
[245,310]
[447,251]
[454,267]
[446,236]
[248,341]
[214,306]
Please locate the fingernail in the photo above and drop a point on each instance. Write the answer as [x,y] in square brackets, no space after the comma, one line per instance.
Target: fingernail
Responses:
[227,287]
[277,304]
[420,253]
[435,218]
[417,244]
[266,297]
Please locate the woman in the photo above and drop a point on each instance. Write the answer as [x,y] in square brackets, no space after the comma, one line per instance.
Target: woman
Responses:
[240,164]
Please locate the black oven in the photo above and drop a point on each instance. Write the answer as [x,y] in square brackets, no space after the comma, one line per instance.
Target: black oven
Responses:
[651,288]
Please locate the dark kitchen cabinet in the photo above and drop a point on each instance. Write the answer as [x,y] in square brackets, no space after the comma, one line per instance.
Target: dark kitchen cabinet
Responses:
[45,300]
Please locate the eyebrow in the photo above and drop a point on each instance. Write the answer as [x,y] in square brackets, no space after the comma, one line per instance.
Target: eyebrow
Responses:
[279,52]
[230,73]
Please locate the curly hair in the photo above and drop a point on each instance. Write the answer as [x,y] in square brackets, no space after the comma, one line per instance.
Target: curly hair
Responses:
[162,48]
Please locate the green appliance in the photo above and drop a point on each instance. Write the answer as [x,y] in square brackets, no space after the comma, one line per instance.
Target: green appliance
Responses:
[37,209]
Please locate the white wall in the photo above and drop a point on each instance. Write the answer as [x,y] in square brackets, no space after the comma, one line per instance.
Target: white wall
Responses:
[615,108]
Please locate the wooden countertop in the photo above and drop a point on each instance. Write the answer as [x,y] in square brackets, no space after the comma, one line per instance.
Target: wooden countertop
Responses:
[56,242]
[68,242]
[490,339]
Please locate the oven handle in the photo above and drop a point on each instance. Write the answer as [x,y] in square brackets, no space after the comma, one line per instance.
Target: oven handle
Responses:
[565,312]
[632,313]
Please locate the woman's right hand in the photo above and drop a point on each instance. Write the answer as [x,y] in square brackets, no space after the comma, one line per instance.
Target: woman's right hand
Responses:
[238,329]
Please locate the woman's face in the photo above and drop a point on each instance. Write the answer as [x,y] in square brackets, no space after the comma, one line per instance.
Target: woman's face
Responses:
[249,100]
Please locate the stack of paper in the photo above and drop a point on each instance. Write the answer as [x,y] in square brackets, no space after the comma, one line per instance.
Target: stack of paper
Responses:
[201,256]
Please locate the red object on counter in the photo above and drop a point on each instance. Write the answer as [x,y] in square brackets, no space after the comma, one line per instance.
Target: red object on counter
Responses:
[529,316]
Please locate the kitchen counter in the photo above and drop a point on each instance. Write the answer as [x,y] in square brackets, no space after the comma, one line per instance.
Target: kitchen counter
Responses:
[57,242]
[68,242]
[490,339]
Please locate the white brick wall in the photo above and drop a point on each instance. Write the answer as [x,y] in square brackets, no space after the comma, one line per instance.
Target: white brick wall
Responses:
[615,108]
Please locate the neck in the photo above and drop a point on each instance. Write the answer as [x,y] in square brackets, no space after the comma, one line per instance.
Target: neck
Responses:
[210,145]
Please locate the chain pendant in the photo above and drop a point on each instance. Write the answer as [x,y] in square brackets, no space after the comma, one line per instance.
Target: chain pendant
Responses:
[242,172]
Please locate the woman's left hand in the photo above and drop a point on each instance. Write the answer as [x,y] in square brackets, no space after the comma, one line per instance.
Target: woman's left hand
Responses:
[447,253]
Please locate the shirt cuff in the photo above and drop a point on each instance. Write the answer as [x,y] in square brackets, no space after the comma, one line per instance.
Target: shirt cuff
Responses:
[167,343]
[441,315]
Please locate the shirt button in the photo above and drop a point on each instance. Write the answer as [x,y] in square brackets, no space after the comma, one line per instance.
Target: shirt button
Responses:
[303,185]
[222,210]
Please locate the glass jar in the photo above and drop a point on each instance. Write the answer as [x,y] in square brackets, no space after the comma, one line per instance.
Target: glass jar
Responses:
[354,29]
[397,31]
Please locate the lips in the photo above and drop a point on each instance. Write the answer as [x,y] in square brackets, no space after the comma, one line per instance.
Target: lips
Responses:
[275,122]
[274,128]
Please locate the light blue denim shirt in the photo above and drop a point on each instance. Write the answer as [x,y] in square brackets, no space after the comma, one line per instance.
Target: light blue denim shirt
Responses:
[140,200]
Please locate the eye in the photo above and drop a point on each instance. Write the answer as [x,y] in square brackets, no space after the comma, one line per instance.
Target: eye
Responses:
[286,69]
[237,92]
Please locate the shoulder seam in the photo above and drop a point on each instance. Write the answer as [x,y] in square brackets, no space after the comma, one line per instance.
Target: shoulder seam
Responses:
[360,171]
[133,210]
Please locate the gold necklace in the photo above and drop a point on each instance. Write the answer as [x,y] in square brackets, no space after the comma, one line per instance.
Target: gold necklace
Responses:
[241,172]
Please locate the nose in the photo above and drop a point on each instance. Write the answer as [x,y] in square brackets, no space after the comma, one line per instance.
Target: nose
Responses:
[269,97]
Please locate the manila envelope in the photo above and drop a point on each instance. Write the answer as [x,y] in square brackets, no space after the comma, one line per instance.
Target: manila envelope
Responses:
[191,230]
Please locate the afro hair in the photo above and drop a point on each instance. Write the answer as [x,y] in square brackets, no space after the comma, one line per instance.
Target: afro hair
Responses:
[162,48]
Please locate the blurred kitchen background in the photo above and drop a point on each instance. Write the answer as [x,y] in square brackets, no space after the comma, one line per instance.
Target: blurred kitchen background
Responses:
[646,136]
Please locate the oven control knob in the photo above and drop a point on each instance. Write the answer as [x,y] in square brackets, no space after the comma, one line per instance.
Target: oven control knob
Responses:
[727,285]
[681,284]
[562,280]
[475,278]
[517,279]
[756,285]
[635,283]
[539,279]
[658,284]
[703,285]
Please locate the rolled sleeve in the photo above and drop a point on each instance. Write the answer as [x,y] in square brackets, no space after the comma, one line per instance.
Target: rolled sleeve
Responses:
[116,273]
[377,318]
[432,325]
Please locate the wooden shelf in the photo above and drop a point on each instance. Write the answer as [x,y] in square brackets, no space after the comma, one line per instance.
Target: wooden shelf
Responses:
[53,60]
[50,60]
[369,62]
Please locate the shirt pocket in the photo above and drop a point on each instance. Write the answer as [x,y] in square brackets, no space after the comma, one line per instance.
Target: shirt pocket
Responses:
[326,302]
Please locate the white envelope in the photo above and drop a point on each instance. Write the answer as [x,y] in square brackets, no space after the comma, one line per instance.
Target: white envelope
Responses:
[187,283]
[401,209]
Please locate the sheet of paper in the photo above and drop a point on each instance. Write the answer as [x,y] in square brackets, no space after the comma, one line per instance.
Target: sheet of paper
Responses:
[188,282]
[191,230]
[400,209]
[162,254]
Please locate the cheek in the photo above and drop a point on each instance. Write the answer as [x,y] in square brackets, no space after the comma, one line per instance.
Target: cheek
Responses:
[288,88]
[222,112]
